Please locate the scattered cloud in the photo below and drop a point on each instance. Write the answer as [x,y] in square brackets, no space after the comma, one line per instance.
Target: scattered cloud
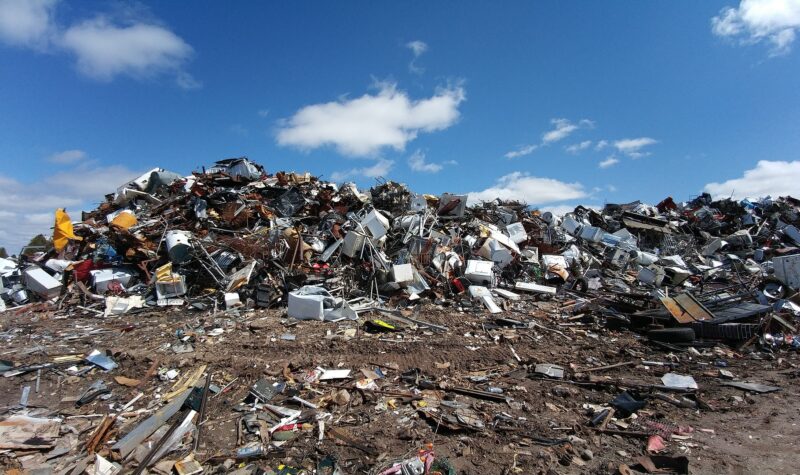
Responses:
[28,207]
[417,47]
[104,47]
[530,189]
[418,163]
[611,188]
[768,178]
[578,147]
[105,50]
[67,157]
[561,130]
[600,145]
[379,169]
[608,162]
[754,21]
[633,147]
[27,23]
[521,152]
[263,112]
[187,82]
[365,125]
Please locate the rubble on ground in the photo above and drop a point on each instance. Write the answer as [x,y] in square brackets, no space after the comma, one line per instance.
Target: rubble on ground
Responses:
[236,321]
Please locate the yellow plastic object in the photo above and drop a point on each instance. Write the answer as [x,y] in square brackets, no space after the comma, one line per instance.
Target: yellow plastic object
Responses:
[124,220]
[383,324]
[164,273]
[62,230]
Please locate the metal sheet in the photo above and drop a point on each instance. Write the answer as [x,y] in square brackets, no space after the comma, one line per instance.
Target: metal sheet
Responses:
[142,431]
[686,309]
[740,312]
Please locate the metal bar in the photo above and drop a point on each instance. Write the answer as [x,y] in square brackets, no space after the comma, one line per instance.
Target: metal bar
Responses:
[202,412]
[156,448]
[126,445]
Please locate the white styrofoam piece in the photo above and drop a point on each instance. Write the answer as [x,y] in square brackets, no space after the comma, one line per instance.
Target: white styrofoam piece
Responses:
[402,273]
[533,287]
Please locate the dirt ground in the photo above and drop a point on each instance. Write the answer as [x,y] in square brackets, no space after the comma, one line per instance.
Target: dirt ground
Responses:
[542,427]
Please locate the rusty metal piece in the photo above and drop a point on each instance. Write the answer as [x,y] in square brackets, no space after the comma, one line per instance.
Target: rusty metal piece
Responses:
[686,309]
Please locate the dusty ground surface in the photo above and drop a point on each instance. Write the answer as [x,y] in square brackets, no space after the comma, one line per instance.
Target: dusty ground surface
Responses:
[737,433]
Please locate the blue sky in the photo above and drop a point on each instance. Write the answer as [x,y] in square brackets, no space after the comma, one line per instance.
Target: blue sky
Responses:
[556,103]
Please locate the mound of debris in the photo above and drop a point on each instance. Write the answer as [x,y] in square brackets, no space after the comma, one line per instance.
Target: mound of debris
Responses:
[283,324]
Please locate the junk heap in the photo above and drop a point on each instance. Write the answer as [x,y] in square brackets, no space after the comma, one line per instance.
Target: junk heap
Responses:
[171,330]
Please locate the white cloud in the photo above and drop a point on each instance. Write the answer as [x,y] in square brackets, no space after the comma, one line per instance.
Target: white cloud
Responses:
[417,47]
[28,207]
[27,22]
[773,178]
[418,163]
[601,145]
[753,21]
[367,124]
[559,210]
[608,162]
[105,50]
[530,189]
[263,112]
[633,147]
[67,156]
[579,147]
[186,81]
[521,152]
[611,188]
[381,168]
[562,129]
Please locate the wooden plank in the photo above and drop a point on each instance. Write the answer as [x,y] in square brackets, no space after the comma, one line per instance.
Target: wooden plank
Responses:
[686,309]
[693,307]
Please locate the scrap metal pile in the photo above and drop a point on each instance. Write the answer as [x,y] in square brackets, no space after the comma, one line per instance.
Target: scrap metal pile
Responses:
[233,240]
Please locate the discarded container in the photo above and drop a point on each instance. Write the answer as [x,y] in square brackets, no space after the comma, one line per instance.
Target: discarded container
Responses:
[787,270]
[496,252]
[316,303]
[402,273]
[480,272]
[376,224]
[452,205]
[232,300]
[41,283]
[178,246]
[103,278]
[516,231]
[353,244]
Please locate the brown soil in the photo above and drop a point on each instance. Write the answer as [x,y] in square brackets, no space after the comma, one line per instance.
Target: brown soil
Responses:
[743,434]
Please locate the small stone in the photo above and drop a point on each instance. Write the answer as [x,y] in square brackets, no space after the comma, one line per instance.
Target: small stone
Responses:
[341,397]
[575,440]
[587,455]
